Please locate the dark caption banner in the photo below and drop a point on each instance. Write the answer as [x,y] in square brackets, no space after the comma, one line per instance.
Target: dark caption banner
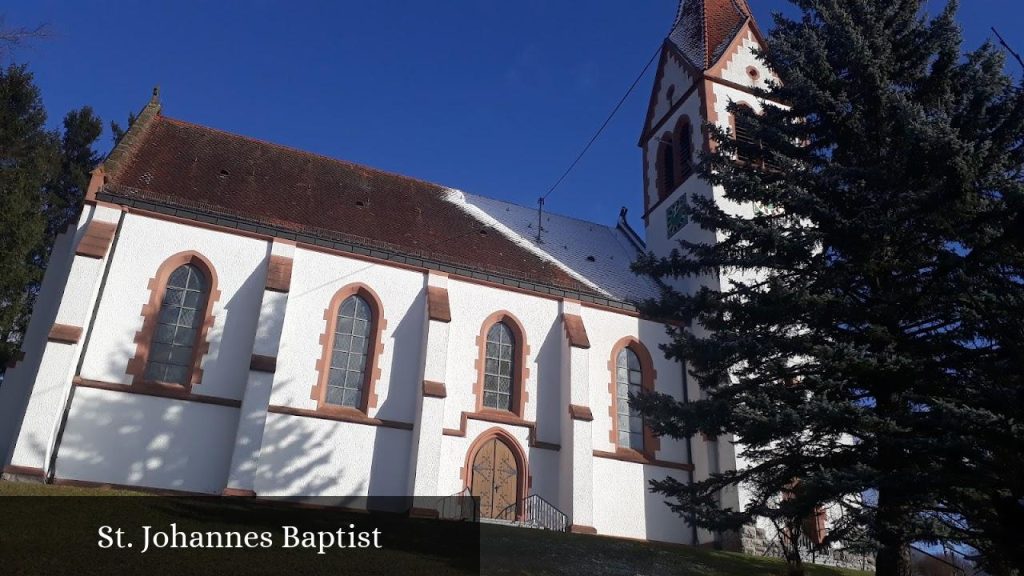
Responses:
[156,535]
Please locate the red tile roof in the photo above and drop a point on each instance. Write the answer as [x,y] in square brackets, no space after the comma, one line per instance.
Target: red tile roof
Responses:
[175,163]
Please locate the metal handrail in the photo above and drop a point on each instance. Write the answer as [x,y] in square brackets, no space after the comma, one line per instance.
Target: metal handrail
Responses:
[458,506]
[536,512]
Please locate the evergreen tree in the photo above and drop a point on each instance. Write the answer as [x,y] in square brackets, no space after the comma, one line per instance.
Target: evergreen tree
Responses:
[82,128]
[29,160]
[873,299]
[43,178]
[117,132]
[985,496]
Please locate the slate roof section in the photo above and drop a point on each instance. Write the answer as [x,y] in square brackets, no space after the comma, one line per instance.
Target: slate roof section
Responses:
[703,29]
[599,255]
[207,171]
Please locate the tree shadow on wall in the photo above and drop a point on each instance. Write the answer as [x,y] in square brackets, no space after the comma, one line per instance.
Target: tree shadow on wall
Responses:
[118,437]
[234,333]
[294,459]
[660,522]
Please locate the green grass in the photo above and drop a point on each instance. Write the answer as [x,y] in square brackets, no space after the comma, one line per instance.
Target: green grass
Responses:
[508,551]
[504,550]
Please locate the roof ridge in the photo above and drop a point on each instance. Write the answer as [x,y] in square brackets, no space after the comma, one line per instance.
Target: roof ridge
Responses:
[706,52]
[440,187]
[525,207]
[122,152]
[744,7]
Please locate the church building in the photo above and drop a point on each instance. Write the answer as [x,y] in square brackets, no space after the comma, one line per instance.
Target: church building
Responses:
[231,316]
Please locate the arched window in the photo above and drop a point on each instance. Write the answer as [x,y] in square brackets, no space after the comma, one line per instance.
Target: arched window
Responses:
[632,372]
[346,380]
[348,365]
[744,133]
[175,321]
[501,366]
[628,380]
[499,359]
[684,148]
[666,167]
[172,349]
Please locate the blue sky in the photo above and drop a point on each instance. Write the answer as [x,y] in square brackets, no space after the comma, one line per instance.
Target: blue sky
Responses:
[490,96]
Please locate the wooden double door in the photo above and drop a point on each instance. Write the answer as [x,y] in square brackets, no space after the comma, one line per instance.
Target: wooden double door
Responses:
[496,480]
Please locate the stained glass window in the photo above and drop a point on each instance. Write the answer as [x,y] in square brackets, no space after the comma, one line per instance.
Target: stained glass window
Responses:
[498,365]
[347,374]
[172,348]
[628,379]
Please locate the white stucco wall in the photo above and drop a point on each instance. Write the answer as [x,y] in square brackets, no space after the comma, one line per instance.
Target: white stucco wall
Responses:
[33,446]
[119,438]
[692,109]
[675,78]
[309,456]
[605,330]
[34,443]
[248,439]
[736,63]
[18,381]
[316,278]
[123,438]
[622,502]
[145,243]
[622,509]
[656,228]
[314,457]
[256,399]
[424,459]
[471,304]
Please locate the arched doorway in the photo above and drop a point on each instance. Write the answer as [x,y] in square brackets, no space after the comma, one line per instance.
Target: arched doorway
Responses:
[497,472]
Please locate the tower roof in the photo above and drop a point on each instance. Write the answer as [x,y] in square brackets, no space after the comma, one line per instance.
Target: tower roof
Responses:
[703,29]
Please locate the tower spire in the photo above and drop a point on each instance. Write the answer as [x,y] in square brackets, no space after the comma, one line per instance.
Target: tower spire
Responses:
[703,29]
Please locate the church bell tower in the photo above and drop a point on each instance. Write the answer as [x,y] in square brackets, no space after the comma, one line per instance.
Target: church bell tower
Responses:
[707,60]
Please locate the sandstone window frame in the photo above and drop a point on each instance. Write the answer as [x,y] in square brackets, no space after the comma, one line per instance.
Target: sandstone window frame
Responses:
[150,313]
[684,149]
[651,443]
[520,370]
[374,349]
